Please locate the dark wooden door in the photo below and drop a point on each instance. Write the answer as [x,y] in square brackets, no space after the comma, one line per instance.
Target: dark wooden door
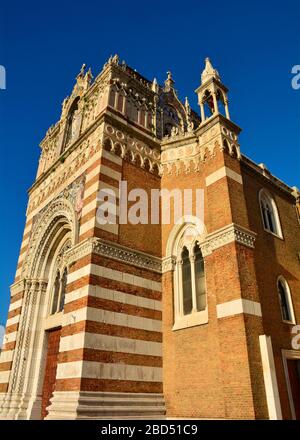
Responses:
[294,375]
[53,337]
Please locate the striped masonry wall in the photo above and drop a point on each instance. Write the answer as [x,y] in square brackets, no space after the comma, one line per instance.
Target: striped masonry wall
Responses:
[9,342]
[111,335]
[23,250]
[104,173]
[14,313]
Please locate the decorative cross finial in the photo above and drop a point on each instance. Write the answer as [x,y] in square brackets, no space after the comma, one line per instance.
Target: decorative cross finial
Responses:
[81,73]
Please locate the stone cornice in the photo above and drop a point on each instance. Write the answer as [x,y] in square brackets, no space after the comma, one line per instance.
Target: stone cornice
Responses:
[115,251]
[254,167]
[214,119]
[226,235]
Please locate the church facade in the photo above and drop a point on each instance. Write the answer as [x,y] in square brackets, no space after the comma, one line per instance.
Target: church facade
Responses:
[119,312]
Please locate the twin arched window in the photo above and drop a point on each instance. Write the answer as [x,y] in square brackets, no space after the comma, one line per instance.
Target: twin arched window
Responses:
[190,291]
[59,291]
[269,213]
[285,301]
[193,280]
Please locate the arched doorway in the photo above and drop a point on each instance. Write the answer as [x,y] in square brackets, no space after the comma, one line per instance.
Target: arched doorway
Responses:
[45,271]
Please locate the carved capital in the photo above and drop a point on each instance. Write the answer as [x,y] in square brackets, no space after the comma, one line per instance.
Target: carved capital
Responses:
[168,264]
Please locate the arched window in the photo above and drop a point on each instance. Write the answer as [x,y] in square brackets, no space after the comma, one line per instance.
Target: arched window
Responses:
[190,296]
[71,125]
[285,301]
[56,288]
[200,278]
[208,104]
[63,290]
[269,213]
[59,291]
[186,282]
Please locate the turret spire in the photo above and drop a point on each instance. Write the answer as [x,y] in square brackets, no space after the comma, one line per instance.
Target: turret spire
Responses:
[209,72]
[169,83]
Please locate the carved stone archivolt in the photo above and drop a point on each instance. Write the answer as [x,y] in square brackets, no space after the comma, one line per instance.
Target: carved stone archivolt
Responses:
[60,213]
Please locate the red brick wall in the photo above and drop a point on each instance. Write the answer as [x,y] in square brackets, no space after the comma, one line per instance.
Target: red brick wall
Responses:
[273,257]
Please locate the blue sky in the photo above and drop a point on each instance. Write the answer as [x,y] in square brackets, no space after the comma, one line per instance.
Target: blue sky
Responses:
[254,45]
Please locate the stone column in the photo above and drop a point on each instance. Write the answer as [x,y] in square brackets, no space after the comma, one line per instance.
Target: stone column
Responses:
[179,295]
[17,399]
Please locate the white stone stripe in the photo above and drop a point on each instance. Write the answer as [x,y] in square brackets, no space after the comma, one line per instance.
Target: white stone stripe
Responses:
[95,204]
[91,189]
[17,288]
[99,370]
[18,271]
[87,225]
[222,172]
[88,208]
[105,170]
[14,320]
[110,172]
[4,376]
[111,157]
[112,318]
[27,229]
[237,306]
[108,207]
[112,228]
[271,388]
[113,295]
[115,275]
[110,343]
[93,173]
[6,356]
[103,186]
[10,337]
[24,243]
[21,257]
[15,305]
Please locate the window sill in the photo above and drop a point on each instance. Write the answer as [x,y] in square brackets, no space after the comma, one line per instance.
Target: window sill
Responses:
[192,320]
[274,235]
[289,322]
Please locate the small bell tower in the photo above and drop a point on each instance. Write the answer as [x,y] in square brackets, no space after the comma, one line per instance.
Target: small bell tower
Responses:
[212,94]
